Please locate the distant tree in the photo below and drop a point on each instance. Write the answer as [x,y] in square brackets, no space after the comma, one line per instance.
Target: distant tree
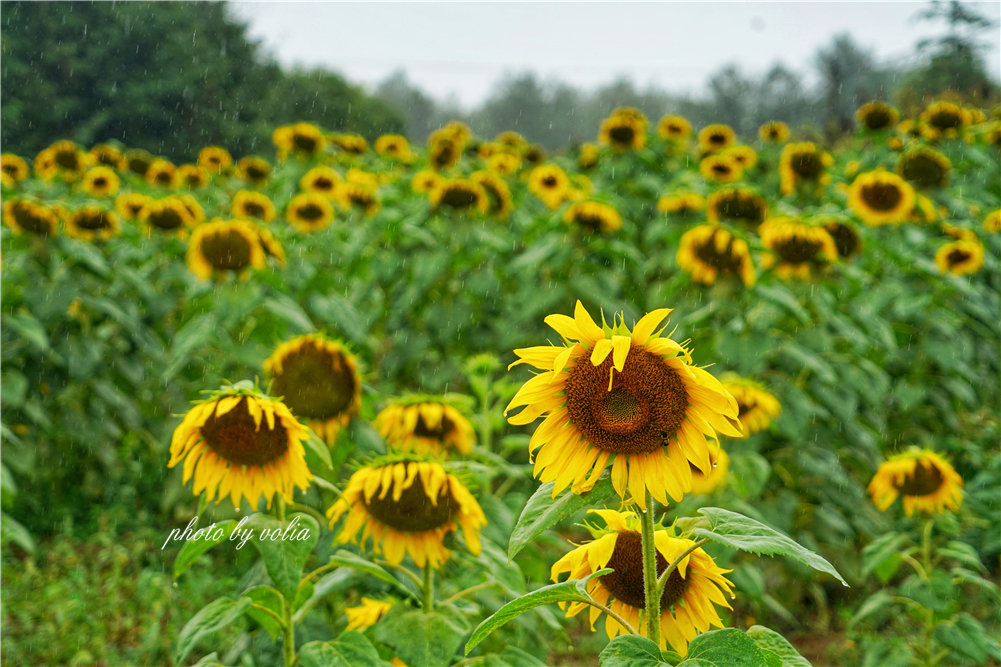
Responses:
[419,110]
[517,103]
[731,95]
[849,77]
[780,96]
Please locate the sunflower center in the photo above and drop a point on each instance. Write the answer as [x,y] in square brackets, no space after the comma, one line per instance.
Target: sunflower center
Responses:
[957,257]
[167,218]
[323,184]
[626,582]
[304,142]
[881,196]
[422,430]
[360,198]
[744,407]
[93,220]
[236,438]
[622,134]
[139,165]
[458,197]
[67,160]
[590,221]
[162,177]
[924,171]
[877,119]
[717,139]
[723,260]
[846,240]
[945,120]
[413,512]
[741,207]
[100,183]
[806,165]
[253,209]
[256,173]
[549,181]
[310,212]
[644,409]
[226,251]
[721,169]
[315,383]
[797,250]
[926,480]
[28,220]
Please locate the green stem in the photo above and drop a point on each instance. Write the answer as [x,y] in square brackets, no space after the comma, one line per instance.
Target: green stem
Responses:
[929,624]
[299,507]
[428,588]
[288,633]
[280,509]
[472,589]
[650,573]
[926,547]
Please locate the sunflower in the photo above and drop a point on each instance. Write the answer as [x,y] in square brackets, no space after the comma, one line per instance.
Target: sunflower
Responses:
[192,176]
[23,215]
[91,223]
[706,483]
[301,139]
[138,161]
[250,204]
[709,251]
[309,212]
[746,156]
[444,153]
[63,158]
[945,117]
[737,204]
[720,168]
[633,399]
[549,183]
[504,163]
[215,159]
[796,247]
[224,246]
[243,444]
[272,248]
[774,131]
[803,163]
[992,223]
[880,197]
[459,194]
[366,614]
[318,379]
[876,116]
[161,173]
[497,191]
[534,154]
[846,237]
[757,408]
[408,507]
[681,202]
[168,215]
[924,209]
[674,128]
[353,144]
[426,426]
[512,139]
[716,137]
[14,166]
[587,156]
[254,170]
[424,181]
[692,590]
[395,147]
[960,258]
[625,128]
[101,181]
[454,130]
[925,480]
[960,233]
[924,167]
[593,216]
[195,209]
[107,155]
[128,205]
[356,195]
[322,180]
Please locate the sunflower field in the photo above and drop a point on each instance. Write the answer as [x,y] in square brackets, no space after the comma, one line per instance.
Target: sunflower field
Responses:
[735,397]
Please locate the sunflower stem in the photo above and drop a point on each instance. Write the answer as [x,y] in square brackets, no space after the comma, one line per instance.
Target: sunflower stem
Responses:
[280,509]
[926,548]
[428,588]
[288,634]
[652,612]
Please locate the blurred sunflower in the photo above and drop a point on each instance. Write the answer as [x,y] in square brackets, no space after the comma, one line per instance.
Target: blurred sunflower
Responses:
[14,166]
[309,212]
[424,181]
[593,216]
[924,167]
[128,205]
[250,204]
[497,191]
[992,223]
[318,380]
[138,161]
[774,131]
[91,223]
[23,215]
[460,195]
[356,195]
[716,137]
[533,154]
[796,247]
[223,247]
[169,215]
[681,202]
[757,407]
[162,174]
[632,398]
[352,144]
[426,426]
[64,159]
[549,183]
[960,258]
[880,197]
[945,117]
[720,168]
[407,507]
[746,156]
[708,252]
[101,181]
[803,163]
[674,128]
[504,163]
[322,180]
[254,170]
[192,176]
[367,613]
[444,153]
[706,483]
[960,233]
[924,480]
[737,204]
[846,237]
[215,159]
[241,443]
[195,210]
[301,139]
[512,139]
[107,155]
[624,129]
[692,590]
[395,147]
[588,155]
[876,116]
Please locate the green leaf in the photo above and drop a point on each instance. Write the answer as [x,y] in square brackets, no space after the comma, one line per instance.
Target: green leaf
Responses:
[192,336]
[30,330]
[317,449]
[345,558]
[631,651]
[961,574]
[966,636]
[962,552]
[574,590]
[192,549]
[284,558]
[728,648]
[351,649]
[770,640]
[212,617]
[210,660]
[420,638]
[873,604]
[287,309]
[782,297]
[269,598]
[880,552]
[541,511]
[13,531]
[741,532]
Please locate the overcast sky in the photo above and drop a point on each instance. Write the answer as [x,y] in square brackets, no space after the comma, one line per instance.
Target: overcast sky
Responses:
[463,49]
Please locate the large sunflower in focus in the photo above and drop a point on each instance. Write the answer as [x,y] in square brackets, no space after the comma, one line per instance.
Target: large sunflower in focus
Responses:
[425,426]
[710,251]
[632,399]
[687,606]
[880,197]
[243,444]
[407,507]
[757,408]
[922,478]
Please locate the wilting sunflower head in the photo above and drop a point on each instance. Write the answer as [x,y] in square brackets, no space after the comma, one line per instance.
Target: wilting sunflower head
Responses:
[366,614]
[803,163]
[318,380]
[424,181]
[924,167]
[322,180]
[302,139]
[24,215]
[960,258]
[746,156]
[223,247]
[588,155]
[593,216]
[774,131]
[708,252]
[91,223]
[757,407]
[847,238]
[128,205]
[716,137]
[797,247]
[215,159]
[461,195]
[674,128]
[358,196]
[498,193]
[947,118]
[309,212]
[395,147]
[992,223]
[876,116]
[623,131]
[254,170]
[425,425]
[192,176]
[162,174]
[880,197]
[706,483]
[138,161]
[737,204]
[169,215]
[720,168]
[107,155]
[924,480]
[407,506]
[444,153]
[101,181]
[241,443]
[14,166]
[632,399]
[681,202]
[250,204]
[687,606]
[549,183]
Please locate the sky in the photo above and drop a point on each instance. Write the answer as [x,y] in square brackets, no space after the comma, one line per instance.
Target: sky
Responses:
[461,50]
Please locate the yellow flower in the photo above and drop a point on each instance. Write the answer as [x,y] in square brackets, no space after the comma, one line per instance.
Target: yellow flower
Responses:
[924,479]
[709,251]
[192,176]
[394,146]
[224,246]
[721,168]
[322,180]
[674,128]
[593,216]
[353,144]
[716,137]
[301,139]
[504,163]
[23,215]
[846,237]
[992,223]
[497,191]
[444,153]
[169,215]
[682,201]
[14,166]
[624,128]
[757,407]
[91,223]
[960,258]
[101,181]
[64,159]
[737,204]
[128,205]
[254,170]
[774,131]
[796,246]
[309,212]
[250,204]
[356,195]
[425,426]
[107,155]
[367,613]
[746,156]
[161,173]
[803,163]
[876,116]
[549,183]
[880,197]
[706,483]
[425,181]
[588,155]
[924,167]
[215,159]
[945,117]
[138,161]
[460,195]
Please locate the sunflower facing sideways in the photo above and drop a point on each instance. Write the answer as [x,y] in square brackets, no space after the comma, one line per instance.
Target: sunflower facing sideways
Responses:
[318,379]
[709,252]
[407,506]
[223,247]
[240,443]
[797,247]
[593,216]
[924,480]
[632,399]
[425,425]
[687,606]
[757,408]
[92,223]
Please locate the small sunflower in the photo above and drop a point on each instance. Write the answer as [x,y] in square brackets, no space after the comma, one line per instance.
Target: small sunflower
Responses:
[774,131]
[215,159]
[796,246]
[624,129]
[318,379]
[192,176]
[424,181]
[107,155]
[322,180]
[504,163]
[138,161]
[549,183]
[221,247]
[309,212]
[924,479]
[924,167]
[706,483]
[847,238]
[101,181]
[716,137]
[497,191]
[64,159]
[511,139]
[352,144]
[588,155]
[250,204]
[254,170]
[945,117]
[992,223]
[803,164]
[366,614]
[681,202]
[709,252]
[14,166]
[880,197]
[960,258]
[302,140]
[128,205]
[674,128]
[444,153]
[630,398]
[720,168]
[877,116]
[395,147]
[425,426]
[408,507]
[23,215]
[243,444]
[593,216]
[169,215]
[91,223]
[746,156]
[356,195]
[460,195]
[757,407]
[162,174]
[692,590]
[534,154]
[737,204]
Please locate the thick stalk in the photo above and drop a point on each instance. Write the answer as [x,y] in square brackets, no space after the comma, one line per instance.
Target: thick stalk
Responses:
[288,633]
[652,612]
[428,588]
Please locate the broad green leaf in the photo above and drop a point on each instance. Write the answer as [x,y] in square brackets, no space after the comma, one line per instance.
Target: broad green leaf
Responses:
[318,449]
[970,577]
[574,590]
[271,599]
[768,639]
[741,532]
[541,511]
[782,297]
[212,617]
[351,649]
[880,551]
[284,555]
[30,330]
[287,309]
[420,638]
[631,651]
[728,648]
[873,604]
[13,531]
[937,593]
[962,552]
[192,549]
[966,636]
[345,558]
[211,660]
[512,656]
[192,336]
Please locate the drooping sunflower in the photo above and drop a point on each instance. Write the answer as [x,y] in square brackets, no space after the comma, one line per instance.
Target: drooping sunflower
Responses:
[162,174]
[14,166]
[309,212]
[425,425]
[803,164]
[716,137]
[992,223]
[366,614]
[945,117]
[250,204]
[461,195]
[395,147]
[706,483]
[424,181]
[254,170]
[774,131]
[796,247]
[924,167]
[757,407]
[924,480]
[593,216]
[302,140]
[533,154]
[223,247]
[549,183]
[876,116]
[352,144]
[674,128]
[632,399]
[624,129]
[737,204]
[91,223]
[444,153]
[880,197]
[681,202]
[138,161]
[687,606]
[407,506]
[318,379]
[215,159]
[720,168]
[23,215]
[241,443]
[359,196]
[128,205]
[101,181]
[168,215]
[107,155]
[322,180]
[960,258]
[497,191]
[192,176]
[847,238]
[710,251]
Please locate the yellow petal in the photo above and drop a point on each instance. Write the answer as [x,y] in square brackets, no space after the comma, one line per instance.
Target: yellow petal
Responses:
[648,324]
